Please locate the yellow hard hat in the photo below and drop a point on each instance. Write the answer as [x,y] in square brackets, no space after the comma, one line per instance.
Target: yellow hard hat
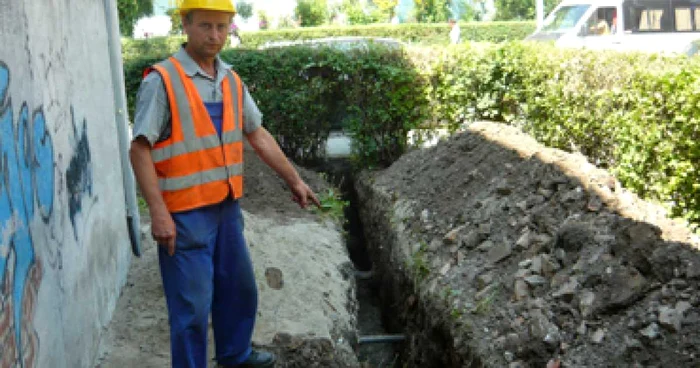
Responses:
[184,6]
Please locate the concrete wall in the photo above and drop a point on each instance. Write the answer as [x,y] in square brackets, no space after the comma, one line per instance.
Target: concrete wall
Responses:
[64,250]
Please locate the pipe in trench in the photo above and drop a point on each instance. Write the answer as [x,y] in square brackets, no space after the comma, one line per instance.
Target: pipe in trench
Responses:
[121,120]
[379,339]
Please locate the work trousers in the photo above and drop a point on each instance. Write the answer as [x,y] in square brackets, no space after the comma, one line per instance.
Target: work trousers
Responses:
[211,271]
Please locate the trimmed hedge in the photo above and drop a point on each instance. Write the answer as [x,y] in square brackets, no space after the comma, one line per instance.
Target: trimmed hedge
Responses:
[304,92]
[636,114]
[421,33]
[412,33]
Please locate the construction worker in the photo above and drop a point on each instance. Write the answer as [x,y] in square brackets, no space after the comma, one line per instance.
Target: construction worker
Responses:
[192,112]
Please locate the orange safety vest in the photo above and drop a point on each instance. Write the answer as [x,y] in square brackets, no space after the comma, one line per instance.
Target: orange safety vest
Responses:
[195,166]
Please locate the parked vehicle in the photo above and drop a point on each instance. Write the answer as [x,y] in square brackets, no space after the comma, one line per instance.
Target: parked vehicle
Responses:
[664,26]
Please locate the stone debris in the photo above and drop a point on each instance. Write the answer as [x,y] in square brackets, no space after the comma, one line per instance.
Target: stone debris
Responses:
[558,264]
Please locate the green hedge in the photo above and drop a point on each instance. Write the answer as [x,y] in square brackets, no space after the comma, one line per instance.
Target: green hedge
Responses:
[638,115]
[304,92]
[421,33]
[413,33]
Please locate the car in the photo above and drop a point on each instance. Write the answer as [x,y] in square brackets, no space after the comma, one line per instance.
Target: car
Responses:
[660,26]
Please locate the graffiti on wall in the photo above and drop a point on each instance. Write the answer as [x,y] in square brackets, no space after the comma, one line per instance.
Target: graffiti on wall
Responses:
[78,174]
[26,195]
[27,188]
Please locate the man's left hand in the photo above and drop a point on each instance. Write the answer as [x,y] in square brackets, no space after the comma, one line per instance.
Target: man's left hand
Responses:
[302,194]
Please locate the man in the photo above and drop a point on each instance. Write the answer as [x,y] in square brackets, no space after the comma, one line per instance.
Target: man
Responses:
[191,115]
[454,32]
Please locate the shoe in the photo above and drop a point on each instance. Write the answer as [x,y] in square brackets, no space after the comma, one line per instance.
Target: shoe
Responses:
[256,359]
[259,359]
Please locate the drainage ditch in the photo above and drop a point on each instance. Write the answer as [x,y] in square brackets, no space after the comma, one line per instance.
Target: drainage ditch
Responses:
[378,346]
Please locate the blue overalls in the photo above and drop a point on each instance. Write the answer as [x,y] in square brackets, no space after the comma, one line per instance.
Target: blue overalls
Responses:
[211,271]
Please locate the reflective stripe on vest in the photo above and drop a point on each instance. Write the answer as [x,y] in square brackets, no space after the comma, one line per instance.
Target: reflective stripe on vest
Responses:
[195,166]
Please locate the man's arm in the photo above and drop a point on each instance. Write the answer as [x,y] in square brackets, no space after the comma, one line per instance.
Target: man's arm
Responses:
[269,151]
[162,224]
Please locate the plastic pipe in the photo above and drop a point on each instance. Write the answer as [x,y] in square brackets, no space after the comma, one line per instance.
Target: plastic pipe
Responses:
[380,339]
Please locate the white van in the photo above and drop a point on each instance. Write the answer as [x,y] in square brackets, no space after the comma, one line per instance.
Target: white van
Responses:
[664,26]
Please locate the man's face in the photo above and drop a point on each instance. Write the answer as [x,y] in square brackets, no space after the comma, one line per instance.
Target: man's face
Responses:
[206,31]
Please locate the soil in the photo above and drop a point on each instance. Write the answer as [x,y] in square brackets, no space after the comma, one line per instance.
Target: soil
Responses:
[307,307]
[488,250]
[492,250]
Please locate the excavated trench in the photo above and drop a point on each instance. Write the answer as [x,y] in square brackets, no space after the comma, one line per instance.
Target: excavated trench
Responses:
[379,345]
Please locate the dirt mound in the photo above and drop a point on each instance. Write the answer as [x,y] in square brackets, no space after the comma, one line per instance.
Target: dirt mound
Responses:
[268,195]
[501,252]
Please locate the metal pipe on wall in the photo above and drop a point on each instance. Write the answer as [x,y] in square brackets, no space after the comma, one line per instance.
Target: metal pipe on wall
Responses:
[122,121]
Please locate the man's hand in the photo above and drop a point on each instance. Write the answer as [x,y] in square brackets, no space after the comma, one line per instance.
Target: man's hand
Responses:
[302,194]
[163,230]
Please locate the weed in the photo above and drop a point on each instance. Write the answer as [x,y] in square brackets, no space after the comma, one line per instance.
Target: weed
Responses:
[484,305]
[332,205]
[143,206]
[420,267]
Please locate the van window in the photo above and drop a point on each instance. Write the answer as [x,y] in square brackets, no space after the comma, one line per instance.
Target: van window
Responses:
[684,19]
[565,18]
[602,22]
[650,20]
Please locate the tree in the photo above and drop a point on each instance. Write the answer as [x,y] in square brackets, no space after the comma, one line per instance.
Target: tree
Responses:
[130,11]
[311,13]
[175,21]
[520,9]
[468,10]
[432,11]
[386,7]
[244,9]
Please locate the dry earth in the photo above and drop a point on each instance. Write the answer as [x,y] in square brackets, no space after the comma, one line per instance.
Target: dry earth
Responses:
[495,251]
[489,250]
[307,309]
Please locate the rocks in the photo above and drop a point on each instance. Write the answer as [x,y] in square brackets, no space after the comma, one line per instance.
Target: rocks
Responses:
[499,252]
[651,332]
[557,261]
[672,318]
[598,336]
[573,236]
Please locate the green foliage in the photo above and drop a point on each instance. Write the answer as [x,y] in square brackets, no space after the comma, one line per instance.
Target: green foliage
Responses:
[520,9]
[485,305]
[360,14]
[635,114]
[332,205]
[311,13]
[303,92]
[244,9]
[432,11]
[414,33]
[130,11]
[264,21]
[175,21]
[419,264]
[386,7]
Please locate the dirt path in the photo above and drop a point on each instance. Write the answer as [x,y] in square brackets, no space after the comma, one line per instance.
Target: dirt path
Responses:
[308,317]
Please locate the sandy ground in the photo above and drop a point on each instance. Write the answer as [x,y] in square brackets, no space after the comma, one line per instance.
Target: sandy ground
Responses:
[306,288]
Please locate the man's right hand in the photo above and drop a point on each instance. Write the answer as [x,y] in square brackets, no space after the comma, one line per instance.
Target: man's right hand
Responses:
[163,230]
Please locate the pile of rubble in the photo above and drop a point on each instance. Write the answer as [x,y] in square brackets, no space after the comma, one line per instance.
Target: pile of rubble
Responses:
[495,251]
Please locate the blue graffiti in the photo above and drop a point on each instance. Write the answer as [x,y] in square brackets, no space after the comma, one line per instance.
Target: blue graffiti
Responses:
[26,191]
